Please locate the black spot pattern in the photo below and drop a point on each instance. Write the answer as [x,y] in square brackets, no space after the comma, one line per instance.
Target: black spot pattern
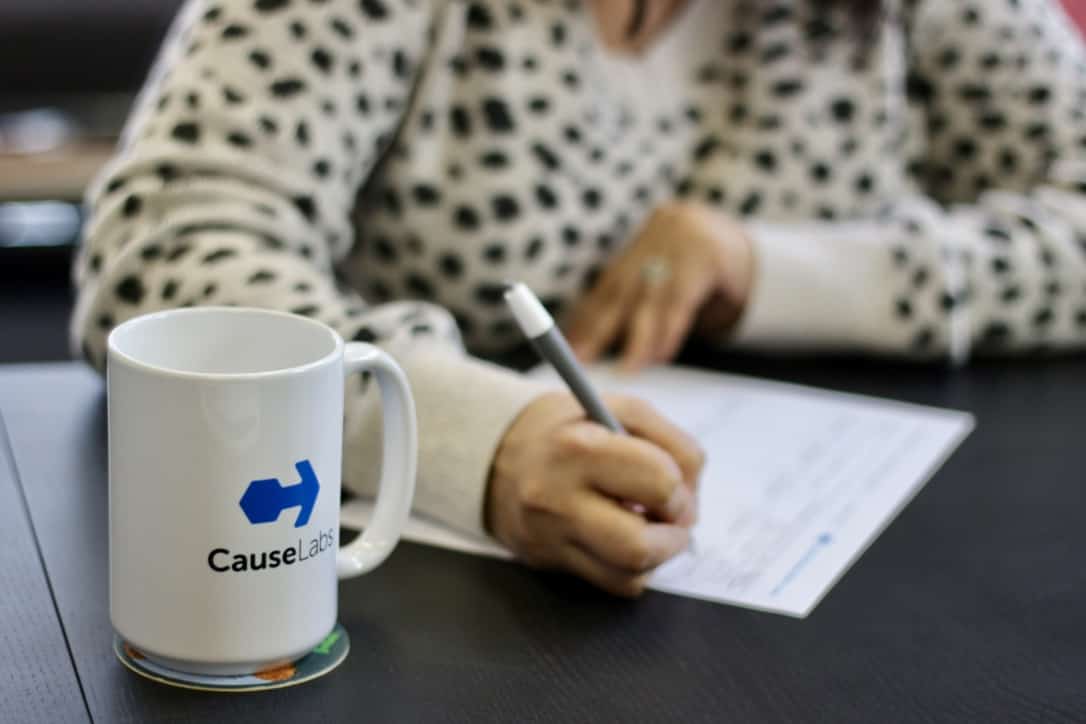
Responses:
[544,171]
[479,17]
[186,132]
[130,290]
[498,116]
[132,206]
[322,59]
[374,9]
[287,87]
[506,208]
[268,6]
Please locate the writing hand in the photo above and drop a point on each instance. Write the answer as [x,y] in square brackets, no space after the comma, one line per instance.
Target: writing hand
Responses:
[561,490]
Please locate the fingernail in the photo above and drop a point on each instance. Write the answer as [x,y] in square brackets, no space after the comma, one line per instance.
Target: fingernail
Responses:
[679,502]
[690,519]
[668,537]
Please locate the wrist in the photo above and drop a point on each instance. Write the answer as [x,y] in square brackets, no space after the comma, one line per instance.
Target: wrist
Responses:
[735,259]
[505,465]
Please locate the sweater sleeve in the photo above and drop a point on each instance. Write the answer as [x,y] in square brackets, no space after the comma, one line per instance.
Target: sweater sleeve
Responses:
[235,183]
[993,257]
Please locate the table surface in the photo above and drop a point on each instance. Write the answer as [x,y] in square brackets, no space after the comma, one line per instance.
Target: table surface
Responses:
[37,678]
[969,607]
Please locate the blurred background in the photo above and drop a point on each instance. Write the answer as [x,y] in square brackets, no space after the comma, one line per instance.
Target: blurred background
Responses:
[69,70]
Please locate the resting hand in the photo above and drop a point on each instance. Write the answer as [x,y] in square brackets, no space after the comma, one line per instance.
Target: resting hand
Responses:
[565,493]
[689,266]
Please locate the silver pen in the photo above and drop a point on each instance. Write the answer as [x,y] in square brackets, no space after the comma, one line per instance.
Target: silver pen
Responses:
[539,327]
[545,337]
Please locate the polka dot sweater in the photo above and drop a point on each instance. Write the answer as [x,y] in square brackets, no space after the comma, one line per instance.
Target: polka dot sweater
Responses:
[916,187]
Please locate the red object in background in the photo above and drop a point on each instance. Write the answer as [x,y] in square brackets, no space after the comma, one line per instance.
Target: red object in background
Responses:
[1077,10]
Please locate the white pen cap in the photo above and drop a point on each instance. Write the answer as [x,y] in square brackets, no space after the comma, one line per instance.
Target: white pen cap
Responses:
[532,317]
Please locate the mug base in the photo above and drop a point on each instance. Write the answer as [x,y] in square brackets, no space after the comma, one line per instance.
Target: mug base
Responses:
[326,656]
[243,668]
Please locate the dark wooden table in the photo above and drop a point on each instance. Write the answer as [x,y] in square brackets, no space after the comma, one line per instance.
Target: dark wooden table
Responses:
[37,678]
[970,607]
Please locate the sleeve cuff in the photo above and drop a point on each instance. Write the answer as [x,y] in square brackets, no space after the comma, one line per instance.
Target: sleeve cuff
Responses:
[464,407]
[816,287]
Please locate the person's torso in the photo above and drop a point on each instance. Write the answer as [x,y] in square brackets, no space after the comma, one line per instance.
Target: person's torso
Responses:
[529,153]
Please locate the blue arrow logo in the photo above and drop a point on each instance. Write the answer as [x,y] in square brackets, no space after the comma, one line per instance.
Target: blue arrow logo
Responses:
[264,500]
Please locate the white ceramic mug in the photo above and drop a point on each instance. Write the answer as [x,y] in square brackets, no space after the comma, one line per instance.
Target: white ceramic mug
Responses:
[225,445]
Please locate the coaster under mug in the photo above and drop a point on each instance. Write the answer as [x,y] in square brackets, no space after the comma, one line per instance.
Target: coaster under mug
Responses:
[323,659]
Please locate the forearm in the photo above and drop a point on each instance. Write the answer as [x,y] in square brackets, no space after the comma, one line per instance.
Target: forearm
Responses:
[1000,276]
[464,408]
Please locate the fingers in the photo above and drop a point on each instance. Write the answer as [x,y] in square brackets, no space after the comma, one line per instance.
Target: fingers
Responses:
[633,471]
[624,540]
[598,321]
[676,322]
[665,315]
[641,419]
[559,482]
[615,581]
[654,320]
[643,334]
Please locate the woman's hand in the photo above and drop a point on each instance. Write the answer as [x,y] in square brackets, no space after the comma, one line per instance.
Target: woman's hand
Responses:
[567,493]
[689,266]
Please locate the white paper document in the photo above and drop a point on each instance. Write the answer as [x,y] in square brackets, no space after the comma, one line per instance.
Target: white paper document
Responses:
[799,481]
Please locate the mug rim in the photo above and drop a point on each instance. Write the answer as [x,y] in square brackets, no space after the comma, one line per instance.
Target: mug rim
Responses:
[116,354]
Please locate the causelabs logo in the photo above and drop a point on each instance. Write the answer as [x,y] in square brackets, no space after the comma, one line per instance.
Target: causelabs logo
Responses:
[262,503]
[264,500]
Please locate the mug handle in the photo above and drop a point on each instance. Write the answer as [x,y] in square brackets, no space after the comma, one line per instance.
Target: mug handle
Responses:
[399,461]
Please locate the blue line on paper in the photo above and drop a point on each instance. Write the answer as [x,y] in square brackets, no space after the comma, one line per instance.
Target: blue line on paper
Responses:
[821,542]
